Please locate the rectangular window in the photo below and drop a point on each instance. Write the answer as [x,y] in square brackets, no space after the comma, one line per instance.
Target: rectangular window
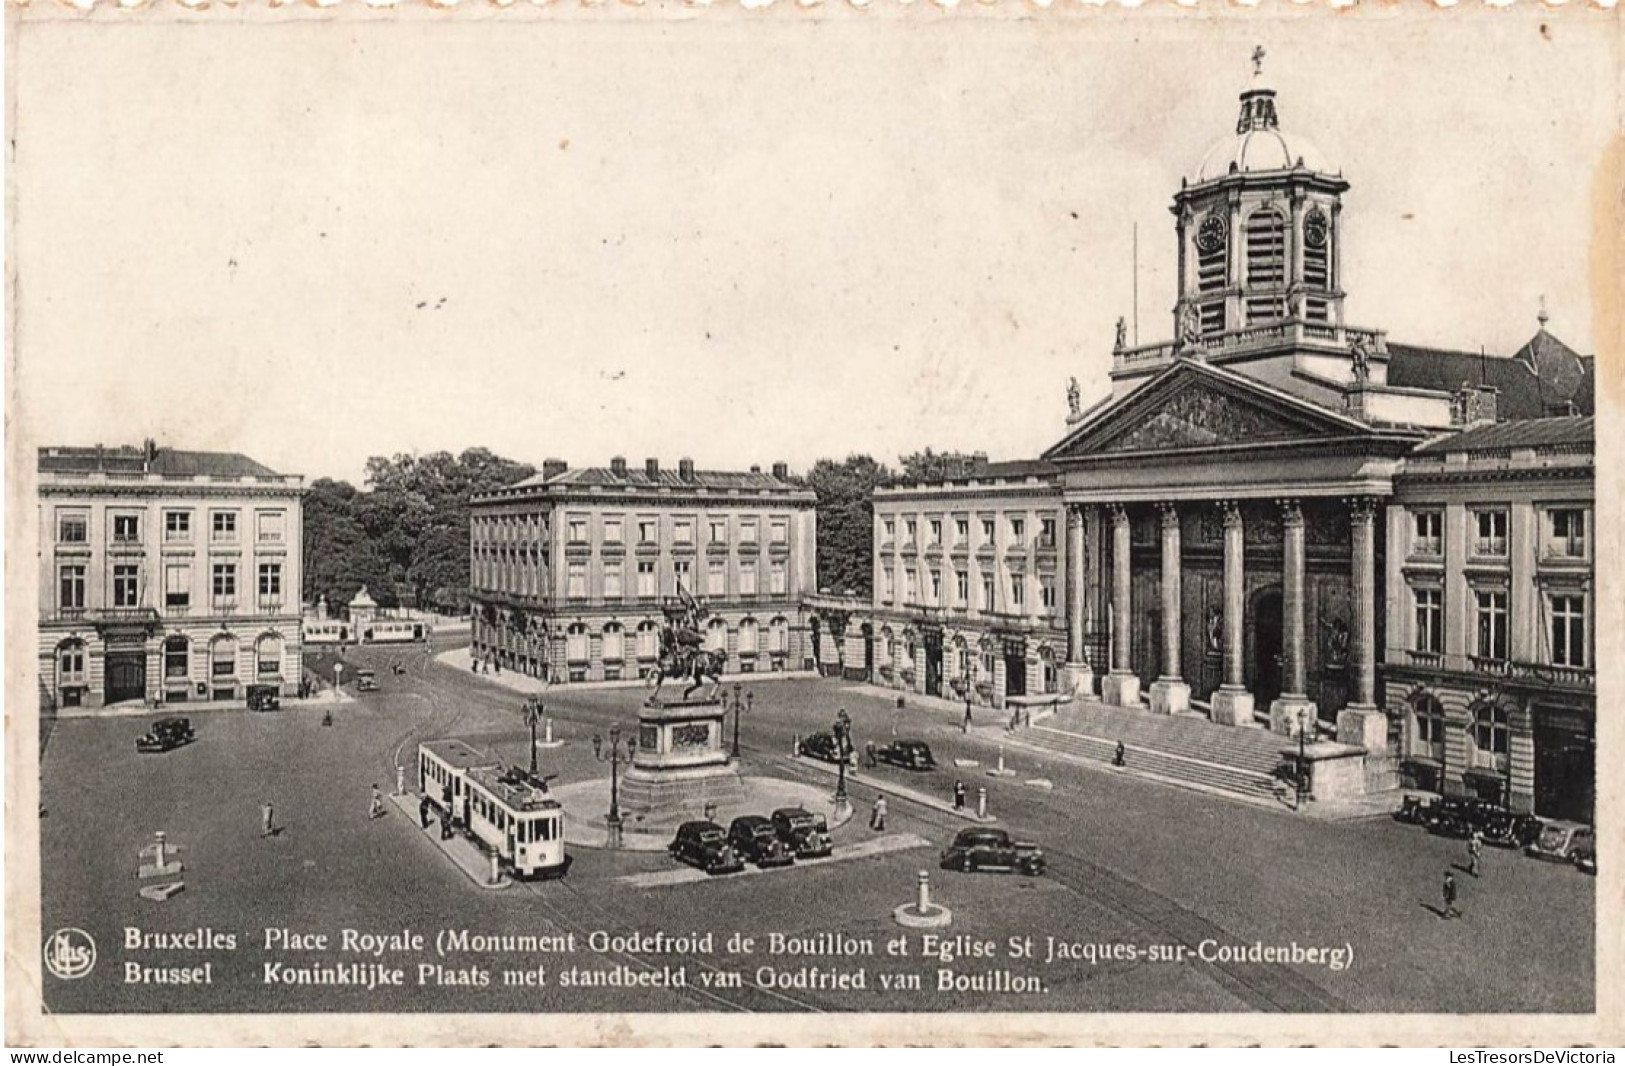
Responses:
[682,572]
[912,586]
[576,529]
[270,581]
[225,581]
[612,531]
[270,525]
[716,578]
[126,528]
[1568,534]
[683,531]
[987,592]
[1428,533]
[1018,529]
[890,527]
[175,659]
[910,527]
[178,525]
[747,531]
[719,531]
[1492,624]
[936,531]
[1568,631]
[126,592]
[1046,591]
[73,529]
[1046,533]
[961,588]
[781,531]
[747,579]
[648,530]
[224,526]
[72,588]
[223,659]
[888,585]
[575,578]
[778,578]
[961,530]
[987,531]
[646,578]
[178,586]
[1018,591]
[1429,621]
[936,588]
[613,589]
[1492,533]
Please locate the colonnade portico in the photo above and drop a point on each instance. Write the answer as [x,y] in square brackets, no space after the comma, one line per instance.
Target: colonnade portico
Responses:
[1231,702]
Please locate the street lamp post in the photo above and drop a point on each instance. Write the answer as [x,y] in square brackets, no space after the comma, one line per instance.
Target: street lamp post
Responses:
[738,706]
[614,756]
[1303,766]
[843,744]
[533,714]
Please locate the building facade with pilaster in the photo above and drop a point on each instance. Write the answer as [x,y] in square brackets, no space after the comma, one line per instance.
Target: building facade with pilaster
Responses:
[166,576]
[572,570]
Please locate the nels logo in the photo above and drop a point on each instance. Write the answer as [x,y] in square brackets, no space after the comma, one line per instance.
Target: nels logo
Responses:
[70,953]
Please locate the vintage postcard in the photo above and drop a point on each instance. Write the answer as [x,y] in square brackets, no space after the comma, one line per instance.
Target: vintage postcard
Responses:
[883,524]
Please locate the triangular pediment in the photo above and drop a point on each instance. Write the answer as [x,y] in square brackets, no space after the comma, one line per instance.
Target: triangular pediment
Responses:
[1194,406]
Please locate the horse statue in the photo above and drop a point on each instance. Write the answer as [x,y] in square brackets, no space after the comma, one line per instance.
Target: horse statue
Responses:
[698,664]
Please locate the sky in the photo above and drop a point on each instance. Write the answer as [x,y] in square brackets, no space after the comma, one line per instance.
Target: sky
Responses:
[740,239]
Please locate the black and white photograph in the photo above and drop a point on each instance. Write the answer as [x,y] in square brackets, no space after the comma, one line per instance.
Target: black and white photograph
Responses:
[821,524]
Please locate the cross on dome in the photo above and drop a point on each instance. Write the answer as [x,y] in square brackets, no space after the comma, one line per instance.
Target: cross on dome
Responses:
[1258,61]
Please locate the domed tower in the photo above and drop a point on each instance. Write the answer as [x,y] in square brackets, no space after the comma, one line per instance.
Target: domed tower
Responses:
[1259,225]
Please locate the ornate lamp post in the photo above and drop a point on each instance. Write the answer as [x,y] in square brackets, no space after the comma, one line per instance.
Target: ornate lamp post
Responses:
[1303,766]
[843,747]
[533,714]
[738,706]
[614,755]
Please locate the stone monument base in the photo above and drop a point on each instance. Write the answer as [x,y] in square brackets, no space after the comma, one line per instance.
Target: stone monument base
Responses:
[667,797]
[1363,727]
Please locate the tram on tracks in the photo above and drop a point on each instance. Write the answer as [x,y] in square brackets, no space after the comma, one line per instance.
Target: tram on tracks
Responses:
[501,808]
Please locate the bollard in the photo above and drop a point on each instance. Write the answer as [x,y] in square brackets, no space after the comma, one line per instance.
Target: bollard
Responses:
[795,745]
[400,780]
[1001,762]
[496,869]
[159,859]
[547,725]
[922,902]
[981,803]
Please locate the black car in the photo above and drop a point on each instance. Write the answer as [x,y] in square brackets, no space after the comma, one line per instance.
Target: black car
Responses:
[705,845]
[909,754]
[166,734]
[264,698]
[754,839]
[992,849]
[806,833]
[825,748]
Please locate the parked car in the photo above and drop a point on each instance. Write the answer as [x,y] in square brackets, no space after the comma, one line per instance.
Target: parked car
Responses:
[366,681]
[806,833]
[1413,811]
[1585,854]
[264,698]
[166,734]
[1564,842]
[825,748]
[992,849]
[1507,830]
[705,845]
[754,839]
[909,754]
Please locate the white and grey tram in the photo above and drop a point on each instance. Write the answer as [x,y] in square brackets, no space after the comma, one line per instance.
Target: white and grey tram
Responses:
[499,807]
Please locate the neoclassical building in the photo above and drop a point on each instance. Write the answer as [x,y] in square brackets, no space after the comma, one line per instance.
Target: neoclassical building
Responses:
[572,569]
[166,576]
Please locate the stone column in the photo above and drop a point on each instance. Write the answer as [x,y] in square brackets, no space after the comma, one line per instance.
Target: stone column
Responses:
[1232,703]
[1169,692]
[1293,711]
[1122,685]
[1076,674]
[1362,723]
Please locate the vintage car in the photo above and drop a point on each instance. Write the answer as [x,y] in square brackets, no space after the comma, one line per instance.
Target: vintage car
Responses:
[166,734]
[1504,829]
[366,681]
[992,849]
[825,748]
[264,698]
[1564,842]
[754,839]
[1585,854]
[1413,811]
[705,845]
[806,833]
[909,754]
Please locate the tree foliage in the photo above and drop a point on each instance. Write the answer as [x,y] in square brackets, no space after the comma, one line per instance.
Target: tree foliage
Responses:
[846,521]
[928,465]
[406,537]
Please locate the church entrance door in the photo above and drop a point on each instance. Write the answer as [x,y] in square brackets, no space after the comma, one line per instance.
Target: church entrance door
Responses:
[1266,634]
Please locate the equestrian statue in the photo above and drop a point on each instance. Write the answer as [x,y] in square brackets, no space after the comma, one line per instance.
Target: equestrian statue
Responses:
[682,653]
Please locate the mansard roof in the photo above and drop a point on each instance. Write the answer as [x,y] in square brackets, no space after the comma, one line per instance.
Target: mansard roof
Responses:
[169,462]
[1543,378]
[1577,432]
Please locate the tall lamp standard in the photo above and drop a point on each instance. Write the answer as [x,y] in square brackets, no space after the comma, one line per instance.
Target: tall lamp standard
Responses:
[749,701]
[614,756]
[843,746]
[1303,765]
[533,714]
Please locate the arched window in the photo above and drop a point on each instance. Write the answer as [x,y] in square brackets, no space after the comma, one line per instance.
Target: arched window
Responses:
[716,635]
[747,637]
[1428,728]
[223,657]
[1490,734]
[268,655]
[648,641]
[575,643]
[177,658]
[614,642]
[778,637]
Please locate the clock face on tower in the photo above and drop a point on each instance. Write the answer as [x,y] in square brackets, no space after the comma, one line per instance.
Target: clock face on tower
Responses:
[1314,230]
[1210,236]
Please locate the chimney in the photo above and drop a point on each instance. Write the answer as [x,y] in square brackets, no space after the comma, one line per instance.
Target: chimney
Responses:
[149,452]
[781,471]
[617,466]
[978,462]
[651,467]
[552,468]
[685,470]
[755,468]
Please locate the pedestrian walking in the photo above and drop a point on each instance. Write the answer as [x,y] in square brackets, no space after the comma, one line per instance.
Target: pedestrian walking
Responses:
[877,815]
[965,728]
[871,757]
[423,811]
[1118,756]
[959,795]
[1475,849]
[376,810]
[267,819]
[1449,892]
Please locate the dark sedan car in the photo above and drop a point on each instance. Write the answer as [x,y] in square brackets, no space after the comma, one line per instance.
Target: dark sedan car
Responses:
[825,748]
[992,849]
[166,734]
[806,833]
[909,754]
[705,845]
[755,840]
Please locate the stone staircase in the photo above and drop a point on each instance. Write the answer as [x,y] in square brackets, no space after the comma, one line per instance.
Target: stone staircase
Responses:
[1183,748]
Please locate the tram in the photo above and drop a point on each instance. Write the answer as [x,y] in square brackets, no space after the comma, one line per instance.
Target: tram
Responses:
[325,632]
[501,808]
[394,631]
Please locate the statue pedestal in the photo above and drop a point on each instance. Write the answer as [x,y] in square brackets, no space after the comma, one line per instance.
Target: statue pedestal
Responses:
[679,766]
